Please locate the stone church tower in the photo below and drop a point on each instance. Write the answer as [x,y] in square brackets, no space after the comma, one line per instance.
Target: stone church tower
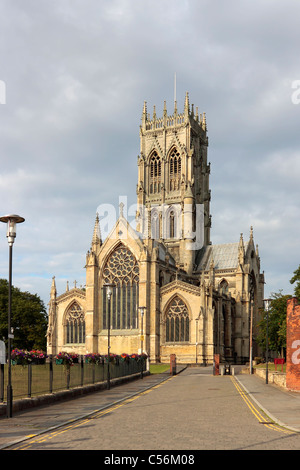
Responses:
[198,299]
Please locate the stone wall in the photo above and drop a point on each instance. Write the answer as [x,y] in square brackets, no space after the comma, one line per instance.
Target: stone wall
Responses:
[277,378]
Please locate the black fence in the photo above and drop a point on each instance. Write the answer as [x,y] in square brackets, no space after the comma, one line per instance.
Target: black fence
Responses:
[38,379]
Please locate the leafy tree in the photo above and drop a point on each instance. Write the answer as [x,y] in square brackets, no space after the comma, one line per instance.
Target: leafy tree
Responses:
[296,278]
[276,324]
[28,318]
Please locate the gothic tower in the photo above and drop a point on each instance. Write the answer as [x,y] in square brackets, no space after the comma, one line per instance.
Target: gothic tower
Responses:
[173,195]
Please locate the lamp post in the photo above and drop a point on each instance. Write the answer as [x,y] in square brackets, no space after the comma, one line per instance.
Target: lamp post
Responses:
[251,333]
[197,319]
[109,291]
[142,311]
[11,221]
[267,305]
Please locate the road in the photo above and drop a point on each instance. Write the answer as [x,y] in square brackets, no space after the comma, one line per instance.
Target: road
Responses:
[193,410]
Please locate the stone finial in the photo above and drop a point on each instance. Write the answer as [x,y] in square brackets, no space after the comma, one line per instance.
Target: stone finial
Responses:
[241,254]
[96,240]
[121,209]
[53,288]
[251,233]
[186,104]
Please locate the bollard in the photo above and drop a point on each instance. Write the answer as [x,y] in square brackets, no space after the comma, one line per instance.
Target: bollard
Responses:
[216,364]
[173,364]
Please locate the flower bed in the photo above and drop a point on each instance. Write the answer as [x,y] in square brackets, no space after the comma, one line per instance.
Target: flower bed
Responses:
[93,358]
[24,357]
[67,359]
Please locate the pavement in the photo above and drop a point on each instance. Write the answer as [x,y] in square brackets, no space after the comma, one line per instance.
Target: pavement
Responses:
[280,405]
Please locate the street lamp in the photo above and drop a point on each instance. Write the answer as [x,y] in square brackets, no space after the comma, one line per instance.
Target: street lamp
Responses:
[251,333]
[267,305]
[11,221]
[109,291]
[142,311]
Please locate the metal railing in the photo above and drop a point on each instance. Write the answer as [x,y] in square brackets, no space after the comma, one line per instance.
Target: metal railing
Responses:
[39,379]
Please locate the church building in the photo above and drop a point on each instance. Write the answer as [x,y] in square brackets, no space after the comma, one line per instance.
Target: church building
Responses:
[173,291]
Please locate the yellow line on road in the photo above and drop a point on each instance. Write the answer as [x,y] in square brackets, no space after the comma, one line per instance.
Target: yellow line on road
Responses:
[261,418]
[97,414]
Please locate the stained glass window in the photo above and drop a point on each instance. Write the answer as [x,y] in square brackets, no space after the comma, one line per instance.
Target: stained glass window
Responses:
[177,322]
[75,324]
[155,173]
[122,270]
[175,170]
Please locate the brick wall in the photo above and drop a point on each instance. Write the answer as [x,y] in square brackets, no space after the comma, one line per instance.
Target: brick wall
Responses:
[293,345]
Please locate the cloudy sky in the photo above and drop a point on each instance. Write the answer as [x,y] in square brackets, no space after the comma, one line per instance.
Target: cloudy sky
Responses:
[73,78]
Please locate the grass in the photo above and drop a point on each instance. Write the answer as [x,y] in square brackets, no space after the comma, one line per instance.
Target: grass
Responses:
[159,368]
[271,367]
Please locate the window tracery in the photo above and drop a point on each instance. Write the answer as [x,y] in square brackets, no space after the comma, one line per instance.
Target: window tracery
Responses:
[122,270]
[75,324]
[174,170]
[155,174]
[177,321]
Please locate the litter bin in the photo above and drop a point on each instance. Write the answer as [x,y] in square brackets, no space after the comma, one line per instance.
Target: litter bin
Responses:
[227,369]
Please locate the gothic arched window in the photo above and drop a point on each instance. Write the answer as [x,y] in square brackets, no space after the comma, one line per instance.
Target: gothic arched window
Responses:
[177,322]
[75,324]
[122,270]
[172,222]
[155,224]
[174,170]
[155,174]
[224,286]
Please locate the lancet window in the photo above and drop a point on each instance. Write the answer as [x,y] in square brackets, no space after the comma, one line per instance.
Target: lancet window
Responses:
[155,174]
[122,271]
[177,322]
[174,170]
[75,324]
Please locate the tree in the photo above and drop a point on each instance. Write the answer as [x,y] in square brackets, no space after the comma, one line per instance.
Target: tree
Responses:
[276,324]
[296,278]
[28,318]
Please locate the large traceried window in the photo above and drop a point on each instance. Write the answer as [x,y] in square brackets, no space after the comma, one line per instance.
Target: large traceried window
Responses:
[155,174]
[175,170]
[122,270]
[177,322]
[75,324]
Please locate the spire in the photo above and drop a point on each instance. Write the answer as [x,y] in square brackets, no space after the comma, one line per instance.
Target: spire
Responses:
[154,113]
[241,254]
[251,233]
[96,234]
[53,289]
[186,105]
[144,115]
[165,115]
[204,127]
[145,109]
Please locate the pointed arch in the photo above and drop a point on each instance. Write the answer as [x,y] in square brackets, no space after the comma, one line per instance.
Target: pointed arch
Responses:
[122,270]
[177,319]
[155,223]
[172,222]
[223,286]
[154,172]
[174,159]
[74,324]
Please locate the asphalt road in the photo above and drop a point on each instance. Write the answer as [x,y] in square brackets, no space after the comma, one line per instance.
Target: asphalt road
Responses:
[188,412]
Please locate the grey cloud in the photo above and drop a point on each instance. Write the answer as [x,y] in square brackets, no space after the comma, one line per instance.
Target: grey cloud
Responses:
[77,74]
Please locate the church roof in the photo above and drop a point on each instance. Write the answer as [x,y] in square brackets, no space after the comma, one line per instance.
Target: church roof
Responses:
[224,256]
